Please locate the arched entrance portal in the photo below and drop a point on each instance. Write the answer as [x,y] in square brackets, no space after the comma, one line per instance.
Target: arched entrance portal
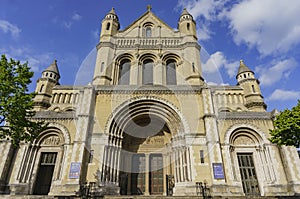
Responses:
[146,144]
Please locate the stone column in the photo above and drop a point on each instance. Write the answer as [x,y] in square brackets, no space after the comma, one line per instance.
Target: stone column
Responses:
[134,73]
[158,73]
[147,173]
[213,141]
[292,167]
[84,116]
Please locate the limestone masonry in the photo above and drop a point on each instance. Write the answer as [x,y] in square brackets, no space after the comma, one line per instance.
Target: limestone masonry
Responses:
[149,124]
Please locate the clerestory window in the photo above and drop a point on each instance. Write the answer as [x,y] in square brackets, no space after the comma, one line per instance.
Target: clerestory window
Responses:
[124,72]
[171,72]
[147,71]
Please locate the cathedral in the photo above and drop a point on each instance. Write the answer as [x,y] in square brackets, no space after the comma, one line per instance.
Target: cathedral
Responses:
[149,124]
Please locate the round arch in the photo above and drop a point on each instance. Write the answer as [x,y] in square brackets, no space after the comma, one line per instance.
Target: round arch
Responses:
[251,131]
[55,129]
[140,106]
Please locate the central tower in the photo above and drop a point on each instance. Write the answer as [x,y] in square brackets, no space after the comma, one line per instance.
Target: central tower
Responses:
[148,52]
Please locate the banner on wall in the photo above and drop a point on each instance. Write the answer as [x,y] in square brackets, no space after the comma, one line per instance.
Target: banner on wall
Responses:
[218,170]
[74,170]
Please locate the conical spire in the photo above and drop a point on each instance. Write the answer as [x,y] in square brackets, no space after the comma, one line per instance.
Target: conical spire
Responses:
[243,68]
[185,15]
[53,68]
[112,11]
[185,12]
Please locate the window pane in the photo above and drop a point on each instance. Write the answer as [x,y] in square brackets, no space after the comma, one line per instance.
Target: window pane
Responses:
[148,32]
[148,72]
[124,73]
[171,73]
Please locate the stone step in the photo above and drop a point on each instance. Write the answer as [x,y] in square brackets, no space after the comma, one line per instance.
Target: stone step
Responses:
[142,197]
[26,197]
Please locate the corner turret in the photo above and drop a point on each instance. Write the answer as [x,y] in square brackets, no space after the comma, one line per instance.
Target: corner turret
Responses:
[186,24]
[110,25]
[45,84]
[252,93]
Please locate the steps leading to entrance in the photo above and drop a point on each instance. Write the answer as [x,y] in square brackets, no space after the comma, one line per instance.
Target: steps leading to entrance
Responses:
[26,197]
[142,197]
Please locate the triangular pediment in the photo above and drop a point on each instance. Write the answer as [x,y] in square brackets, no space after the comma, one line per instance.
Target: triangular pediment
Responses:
[148,17]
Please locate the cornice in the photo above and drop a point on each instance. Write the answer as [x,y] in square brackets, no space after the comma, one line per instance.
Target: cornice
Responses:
[148,89]
[52,115]
[245,115]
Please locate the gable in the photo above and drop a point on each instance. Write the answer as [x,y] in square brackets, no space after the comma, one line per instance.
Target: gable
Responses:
[138,28]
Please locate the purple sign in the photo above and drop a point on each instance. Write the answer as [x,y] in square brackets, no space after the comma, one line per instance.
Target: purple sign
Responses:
[74,170]
[218,171]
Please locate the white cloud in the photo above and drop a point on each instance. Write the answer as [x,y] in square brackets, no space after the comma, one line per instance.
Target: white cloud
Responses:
[95,34]
[7,27]
[284,95]
[76,17]
[26,54]
[279,70]
[218,60]
[271,26]
[67,23]
[205,11]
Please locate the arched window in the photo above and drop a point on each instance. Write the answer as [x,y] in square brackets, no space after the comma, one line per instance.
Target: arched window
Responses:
[41,89]
[102,67]
[148,71]
[253,89]
[188,26]
[124,72]
[148,32]
[171,72]
[107,26]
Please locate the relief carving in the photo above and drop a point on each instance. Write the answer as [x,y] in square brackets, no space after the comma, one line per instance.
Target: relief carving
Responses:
[52,140]
[243,140]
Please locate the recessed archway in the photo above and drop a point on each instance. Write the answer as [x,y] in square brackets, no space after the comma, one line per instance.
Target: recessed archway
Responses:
[145,138]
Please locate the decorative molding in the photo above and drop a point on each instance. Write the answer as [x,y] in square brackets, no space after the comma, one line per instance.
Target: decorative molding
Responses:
[148,89]
[244,115]
[243,140]
[52,140]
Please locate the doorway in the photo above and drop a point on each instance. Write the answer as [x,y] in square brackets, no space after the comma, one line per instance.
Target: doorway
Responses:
[138,180]
[146,179]
[45,173]
[156,174]
[248,174]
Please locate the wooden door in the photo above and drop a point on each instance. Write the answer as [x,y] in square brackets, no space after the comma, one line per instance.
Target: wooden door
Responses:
[248,174]
[138,174]
[45,173]
[156,174]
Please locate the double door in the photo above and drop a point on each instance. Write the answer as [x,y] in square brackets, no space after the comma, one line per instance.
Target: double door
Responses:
[248,174]
[45,173]
[147,177]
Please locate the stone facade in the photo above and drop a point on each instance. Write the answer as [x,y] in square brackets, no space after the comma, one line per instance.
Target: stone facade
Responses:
[149,124]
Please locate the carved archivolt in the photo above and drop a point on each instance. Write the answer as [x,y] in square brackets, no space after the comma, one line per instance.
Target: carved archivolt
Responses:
[55,135]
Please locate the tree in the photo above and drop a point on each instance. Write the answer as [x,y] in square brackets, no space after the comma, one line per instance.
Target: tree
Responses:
[287,127]
[16,104]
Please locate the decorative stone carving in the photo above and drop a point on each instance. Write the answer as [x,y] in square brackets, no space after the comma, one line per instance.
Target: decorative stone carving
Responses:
[243,140]
[52,140]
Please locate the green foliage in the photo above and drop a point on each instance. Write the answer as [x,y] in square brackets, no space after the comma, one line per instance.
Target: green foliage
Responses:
[287,127]
[16,104]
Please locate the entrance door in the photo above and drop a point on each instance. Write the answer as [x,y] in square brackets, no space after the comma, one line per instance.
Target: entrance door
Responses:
[138,174]
[156,174]
[248,174]
[45,173]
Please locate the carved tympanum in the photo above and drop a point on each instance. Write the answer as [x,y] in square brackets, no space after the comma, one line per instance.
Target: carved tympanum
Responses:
[52,140]
[243,140]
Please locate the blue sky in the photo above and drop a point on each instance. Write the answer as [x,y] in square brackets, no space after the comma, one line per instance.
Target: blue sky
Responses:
[265,34]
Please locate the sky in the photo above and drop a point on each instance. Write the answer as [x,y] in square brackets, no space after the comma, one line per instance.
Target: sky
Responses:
[263,33]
